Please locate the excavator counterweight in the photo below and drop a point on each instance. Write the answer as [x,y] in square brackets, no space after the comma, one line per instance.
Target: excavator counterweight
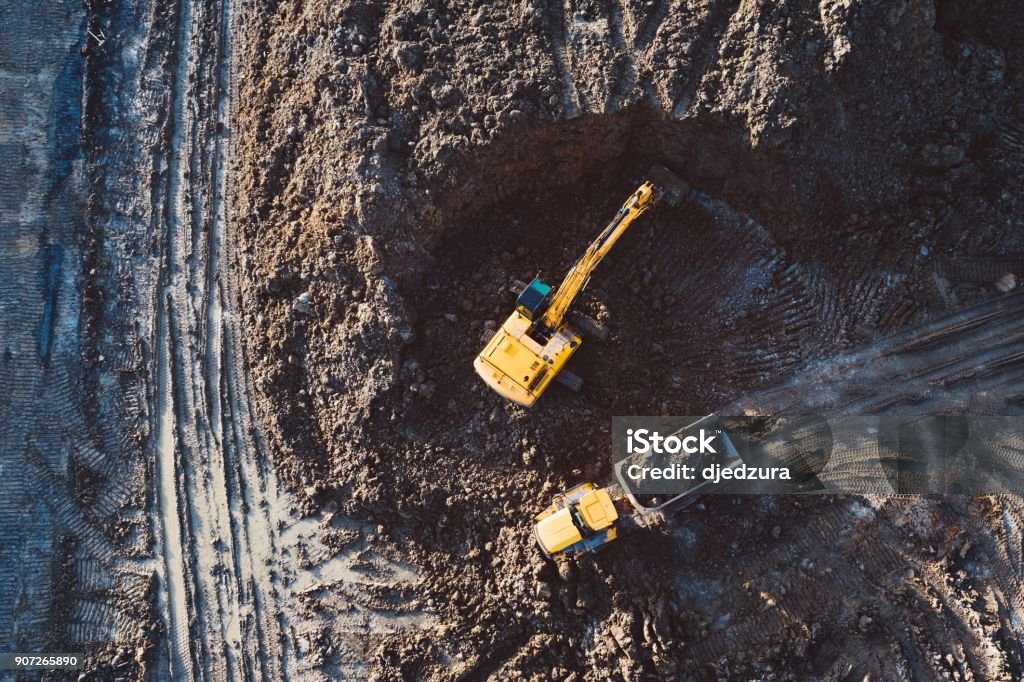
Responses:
[526,354]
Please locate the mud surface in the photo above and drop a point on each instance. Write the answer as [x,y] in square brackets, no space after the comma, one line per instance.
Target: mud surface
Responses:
[856,169]
[250,250]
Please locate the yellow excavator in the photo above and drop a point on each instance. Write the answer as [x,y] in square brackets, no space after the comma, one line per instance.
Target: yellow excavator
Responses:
[531,348]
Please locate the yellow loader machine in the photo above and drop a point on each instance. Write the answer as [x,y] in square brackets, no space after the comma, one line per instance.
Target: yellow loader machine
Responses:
[580,520]
[533,345]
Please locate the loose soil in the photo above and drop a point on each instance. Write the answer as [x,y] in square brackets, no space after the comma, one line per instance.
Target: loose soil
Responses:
[396,165]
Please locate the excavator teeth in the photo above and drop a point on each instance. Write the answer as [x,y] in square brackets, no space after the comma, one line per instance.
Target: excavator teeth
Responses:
[670,187]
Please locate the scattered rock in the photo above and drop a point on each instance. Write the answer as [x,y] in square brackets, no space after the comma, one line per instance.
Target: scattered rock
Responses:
[302,304]
[1007,282]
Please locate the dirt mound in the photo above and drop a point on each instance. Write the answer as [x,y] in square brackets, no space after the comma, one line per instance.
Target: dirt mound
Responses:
[396,166]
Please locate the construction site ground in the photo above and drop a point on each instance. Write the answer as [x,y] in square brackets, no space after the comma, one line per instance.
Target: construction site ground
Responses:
[251,248]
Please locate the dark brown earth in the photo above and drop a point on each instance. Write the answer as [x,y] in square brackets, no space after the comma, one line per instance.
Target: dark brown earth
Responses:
[395,165]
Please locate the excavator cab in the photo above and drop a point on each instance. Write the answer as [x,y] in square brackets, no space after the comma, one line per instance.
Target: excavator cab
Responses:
[534,299]
[580,520]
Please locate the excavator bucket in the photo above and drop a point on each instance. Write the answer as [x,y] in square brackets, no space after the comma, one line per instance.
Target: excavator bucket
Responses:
[670,187]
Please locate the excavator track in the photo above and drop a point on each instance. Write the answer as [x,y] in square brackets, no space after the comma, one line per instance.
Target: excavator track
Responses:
[971,354]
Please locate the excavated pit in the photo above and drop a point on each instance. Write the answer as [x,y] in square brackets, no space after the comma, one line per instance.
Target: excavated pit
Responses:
[703,301]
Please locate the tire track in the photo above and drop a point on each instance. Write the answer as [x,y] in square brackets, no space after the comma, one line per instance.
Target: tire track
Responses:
[624,71]
[232,610]
[990,535]
[852,561]
[831,540]
[648,29]
[178,594]
[972,350]
[45,535]
[977,349]
[203,615]
[572,98]
[715,24]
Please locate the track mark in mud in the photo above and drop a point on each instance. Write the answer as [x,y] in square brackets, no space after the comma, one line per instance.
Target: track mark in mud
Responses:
[624,72]
[70,514]
[574,100]
[976,350]
[955,623]
[851,561]
[196,469]
[823,531]
[714,33]
[360,595]
[644,37]
[491,663]
[992,537]
[177,593]
[175,602]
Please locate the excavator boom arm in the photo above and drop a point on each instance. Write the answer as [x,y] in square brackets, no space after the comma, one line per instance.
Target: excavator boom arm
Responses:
[577,279]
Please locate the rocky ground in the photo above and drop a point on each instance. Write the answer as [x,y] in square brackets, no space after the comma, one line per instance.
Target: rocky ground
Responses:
[395,165]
